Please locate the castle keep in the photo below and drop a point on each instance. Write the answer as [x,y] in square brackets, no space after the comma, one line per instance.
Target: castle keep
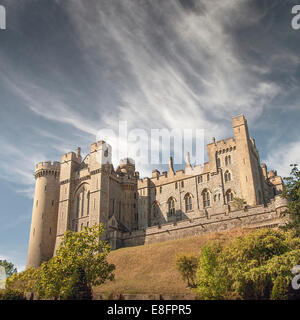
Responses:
[76,193]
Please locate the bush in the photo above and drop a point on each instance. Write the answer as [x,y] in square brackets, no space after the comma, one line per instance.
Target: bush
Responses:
[257,266]
[11,294]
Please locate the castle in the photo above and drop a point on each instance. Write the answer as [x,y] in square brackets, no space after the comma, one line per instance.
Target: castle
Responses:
[76,193]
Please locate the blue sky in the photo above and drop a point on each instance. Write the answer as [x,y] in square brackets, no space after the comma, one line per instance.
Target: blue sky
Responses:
[72,67]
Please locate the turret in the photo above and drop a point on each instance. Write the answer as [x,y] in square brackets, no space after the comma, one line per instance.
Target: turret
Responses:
[44,214]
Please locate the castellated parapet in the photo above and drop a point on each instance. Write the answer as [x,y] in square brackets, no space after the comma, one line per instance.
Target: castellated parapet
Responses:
[197,199]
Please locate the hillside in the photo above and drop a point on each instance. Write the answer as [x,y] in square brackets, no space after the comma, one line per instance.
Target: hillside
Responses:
[151,268]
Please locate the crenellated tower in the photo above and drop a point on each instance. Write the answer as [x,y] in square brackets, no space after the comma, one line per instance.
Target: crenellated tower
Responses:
[44,214]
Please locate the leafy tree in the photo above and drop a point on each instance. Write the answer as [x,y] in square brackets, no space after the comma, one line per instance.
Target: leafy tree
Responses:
[79,264]
[291,191]
[257,266]
[187,266]
[9,267]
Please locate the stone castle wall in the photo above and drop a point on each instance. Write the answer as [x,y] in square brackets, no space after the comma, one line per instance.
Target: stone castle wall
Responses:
[260,216]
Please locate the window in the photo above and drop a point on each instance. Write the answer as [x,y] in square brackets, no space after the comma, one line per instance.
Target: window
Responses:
[176,185]
[171,207]
[229,159]
[88,203]
[82,204]
[227,176]
[200,179]
[208,177]
[87,224]
[52,203]
[218,163]
[215,198]
[160,189]
[188,202]
[206,198]
[229,196]
[182,184]
[45,188]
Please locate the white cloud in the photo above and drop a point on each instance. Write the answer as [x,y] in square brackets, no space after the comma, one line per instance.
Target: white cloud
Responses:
[282,156]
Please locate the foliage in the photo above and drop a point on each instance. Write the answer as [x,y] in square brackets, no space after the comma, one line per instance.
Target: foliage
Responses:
[238,203]
[9,267]
[187,266]
[291,191]
[79,264]
[257,266]
[9,294]
[26,281]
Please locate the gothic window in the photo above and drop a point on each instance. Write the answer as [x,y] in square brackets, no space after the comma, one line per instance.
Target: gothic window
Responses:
[171,207]
[88,203]
[176,185]
[82,203]
[188,202]
[229,196]
[200,179]
[182,184]
[229,159]
[206,198]
[160,189]
[218,163]
[227,176]
[208,177]
[215,198]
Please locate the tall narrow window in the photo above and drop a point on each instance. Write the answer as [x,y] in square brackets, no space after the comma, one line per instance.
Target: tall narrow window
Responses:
[88,203]
[206,198]
[208,177]
[200,179]
[160,189]
[171,207]
[229,196]
[176,185]
[182,184]
[82,204]
[188,202]
[229,159]
[227,176]
[218,163]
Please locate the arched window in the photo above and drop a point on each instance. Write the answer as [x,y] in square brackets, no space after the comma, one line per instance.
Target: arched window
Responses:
[82,203]
[215,198]
[226,161]
[206,198]
[155,210]
[188,202]
[88,203]
[171,207]
[227,176]
[218,163]
[229,196]
[229,160]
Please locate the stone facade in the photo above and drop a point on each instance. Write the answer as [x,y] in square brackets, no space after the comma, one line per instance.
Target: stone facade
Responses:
[76,193]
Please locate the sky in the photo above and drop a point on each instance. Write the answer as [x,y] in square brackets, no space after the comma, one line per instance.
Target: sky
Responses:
[70,68]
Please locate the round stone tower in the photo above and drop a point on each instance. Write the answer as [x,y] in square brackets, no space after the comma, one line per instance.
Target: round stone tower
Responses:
[44,214]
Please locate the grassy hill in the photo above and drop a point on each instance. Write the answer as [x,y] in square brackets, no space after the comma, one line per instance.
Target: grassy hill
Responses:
[150,269]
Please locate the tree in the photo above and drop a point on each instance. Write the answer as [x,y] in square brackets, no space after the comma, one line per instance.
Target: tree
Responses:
[79,264]
[257,266]
[238,203]
[291,191]
[9,267]
[187,266]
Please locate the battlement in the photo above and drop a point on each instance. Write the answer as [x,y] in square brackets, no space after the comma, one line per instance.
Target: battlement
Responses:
[238,121]
[70,156]
[48,165]
[96,145]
